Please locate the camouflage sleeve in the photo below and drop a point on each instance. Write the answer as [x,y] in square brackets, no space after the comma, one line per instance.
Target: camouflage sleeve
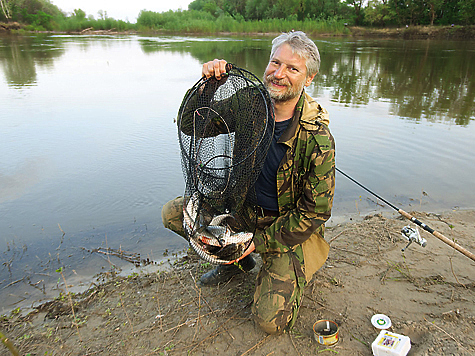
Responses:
[312,208]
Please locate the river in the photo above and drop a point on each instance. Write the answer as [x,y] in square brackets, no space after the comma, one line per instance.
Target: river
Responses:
[89,151]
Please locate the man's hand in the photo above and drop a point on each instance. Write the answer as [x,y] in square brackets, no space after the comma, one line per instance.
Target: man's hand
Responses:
[214,68]
[246,253]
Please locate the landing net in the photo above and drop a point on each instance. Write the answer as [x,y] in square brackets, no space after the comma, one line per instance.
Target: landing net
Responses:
[225,128]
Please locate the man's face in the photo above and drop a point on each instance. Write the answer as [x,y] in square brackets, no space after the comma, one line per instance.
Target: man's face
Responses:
[286,75]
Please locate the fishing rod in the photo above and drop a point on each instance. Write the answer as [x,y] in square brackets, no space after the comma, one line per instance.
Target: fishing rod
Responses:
[414,220]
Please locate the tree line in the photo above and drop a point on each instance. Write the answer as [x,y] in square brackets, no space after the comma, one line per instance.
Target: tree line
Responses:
[250,15]
[354,12]
[42,15]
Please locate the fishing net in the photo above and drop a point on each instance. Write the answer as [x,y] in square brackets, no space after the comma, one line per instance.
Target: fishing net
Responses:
[225,128]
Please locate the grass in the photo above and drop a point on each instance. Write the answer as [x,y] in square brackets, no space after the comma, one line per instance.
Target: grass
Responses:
[193,22]
[6,341]
[189,21]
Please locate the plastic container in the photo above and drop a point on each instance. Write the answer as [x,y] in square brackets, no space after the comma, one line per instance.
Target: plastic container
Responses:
[391,344]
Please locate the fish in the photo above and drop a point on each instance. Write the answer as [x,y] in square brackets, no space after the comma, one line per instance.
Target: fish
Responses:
[215,243]
[214,258]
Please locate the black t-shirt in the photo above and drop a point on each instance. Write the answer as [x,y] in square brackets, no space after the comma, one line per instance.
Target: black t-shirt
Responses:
[266,185]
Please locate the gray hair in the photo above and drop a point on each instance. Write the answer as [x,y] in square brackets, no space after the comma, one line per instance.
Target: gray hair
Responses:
[302,46]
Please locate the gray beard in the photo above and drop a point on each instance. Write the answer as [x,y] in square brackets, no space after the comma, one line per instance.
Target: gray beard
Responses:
[281,97]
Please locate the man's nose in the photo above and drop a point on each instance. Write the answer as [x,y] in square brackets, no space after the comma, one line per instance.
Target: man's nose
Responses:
[279,73]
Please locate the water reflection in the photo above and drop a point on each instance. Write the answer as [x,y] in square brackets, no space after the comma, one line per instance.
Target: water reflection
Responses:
[15,185]
[249,53]
[21,55]
[427,80]
[422,80]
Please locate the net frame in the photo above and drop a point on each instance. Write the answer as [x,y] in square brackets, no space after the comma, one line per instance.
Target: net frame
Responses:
[210,184]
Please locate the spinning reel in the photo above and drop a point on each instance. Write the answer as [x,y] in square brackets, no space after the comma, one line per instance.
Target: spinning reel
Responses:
[412,235]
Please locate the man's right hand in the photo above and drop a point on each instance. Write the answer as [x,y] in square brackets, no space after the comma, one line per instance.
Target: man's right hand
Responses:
[247,252]
[214,68]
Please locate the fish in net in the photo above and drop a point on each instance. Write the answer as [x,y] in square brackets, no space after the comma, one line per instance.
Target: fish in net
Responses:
[225,128]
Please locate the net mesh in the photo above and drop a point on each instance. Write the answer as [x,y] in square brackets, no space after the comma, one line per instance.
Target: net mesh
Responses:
[225,128]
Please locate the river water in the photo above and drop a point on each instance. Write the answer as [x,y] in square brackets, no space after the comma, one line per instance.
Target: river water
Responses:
[89,151]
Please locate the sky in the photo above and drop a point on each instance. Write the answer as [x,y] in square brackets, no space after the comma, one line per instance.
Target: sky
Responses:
[120,9]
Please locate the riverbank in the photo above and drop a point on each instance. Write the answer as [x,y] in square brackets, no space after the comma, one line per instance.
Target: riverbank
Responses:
[410,32]
[417,32]
[427,292]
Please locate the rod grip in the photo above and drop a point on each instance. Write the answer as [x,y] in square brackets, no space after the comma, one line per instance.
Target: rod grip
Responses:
[438,235]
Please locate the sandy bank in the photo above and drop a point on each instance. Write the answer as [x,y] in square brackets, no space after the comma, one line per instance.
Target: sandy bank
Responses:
[427,292]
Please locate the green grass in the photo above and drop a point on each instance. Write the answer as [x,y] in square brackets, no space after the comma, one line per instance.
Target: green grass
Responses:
[202,22]
[189,21]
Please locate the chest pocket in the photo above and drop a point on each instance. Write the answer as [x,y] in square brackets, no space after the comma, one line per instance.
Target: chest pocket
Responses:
[292,174]
[286,179]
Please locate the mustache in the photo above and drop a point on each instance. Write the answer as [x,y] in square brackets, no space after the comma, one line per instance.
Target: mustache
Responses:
[273,79]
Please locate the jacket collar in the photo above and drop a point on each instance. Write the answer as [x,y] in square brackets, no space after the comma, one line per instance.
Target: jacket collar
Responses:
[308,114]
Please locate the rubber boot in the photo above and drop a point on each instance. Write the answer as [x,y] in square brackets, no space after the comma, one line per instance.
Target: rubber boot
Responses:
[222,273]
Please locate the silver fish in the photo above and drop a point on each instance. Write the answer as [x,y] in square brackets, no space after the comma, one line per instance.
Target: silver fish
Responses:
[216,241]
[210,257]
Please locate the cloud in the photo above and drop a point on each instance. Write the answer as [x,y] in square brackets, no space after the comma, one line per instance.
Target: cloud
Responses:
[121,10]
[20,181]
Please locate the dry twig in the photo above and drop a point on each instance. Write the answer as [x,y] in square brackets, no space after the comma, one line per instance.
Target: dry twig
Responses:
[213,335]
[446,333]
[14,282]
[6,341]
[452,268]
[209,306]
[336,236]
[256,345]
[126,314]
[185,323]
[344,250]
[293,343]
[60,270]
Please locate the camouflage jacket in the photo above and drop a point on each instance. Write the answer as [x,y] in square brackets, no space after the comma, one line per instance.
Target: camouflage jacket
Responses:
[305,187]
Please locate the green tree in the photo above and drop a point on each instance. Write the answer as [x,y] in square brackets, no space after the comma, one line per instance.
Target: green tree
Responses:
[102,14]
[258,9]
[358,10]
[44,20]
[326,9]
[399,9]
[5,6]
[203,5]
[211,7]
[434,8]
[79,14]
[467,12]
[18,10]
[235,8]
[379,13]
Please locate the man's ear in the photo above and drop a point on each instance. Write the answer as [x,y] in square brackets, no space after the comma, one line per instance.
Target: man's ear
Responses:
[308,81]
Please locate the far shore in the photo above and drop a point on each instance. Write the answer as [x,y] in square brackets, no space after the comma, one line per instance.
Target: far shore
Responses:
[452,32]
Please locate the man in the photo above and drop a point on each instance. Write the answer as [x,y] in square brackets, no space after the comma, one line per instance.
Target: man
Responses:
[294,190]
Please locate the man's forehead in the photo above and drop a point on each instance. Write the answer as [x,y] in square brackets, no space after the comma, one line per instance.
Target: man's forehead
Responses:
[286,54]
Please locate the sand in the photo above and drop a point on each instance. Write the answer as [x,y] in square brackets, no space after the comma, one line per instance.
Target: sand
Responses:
[427,292]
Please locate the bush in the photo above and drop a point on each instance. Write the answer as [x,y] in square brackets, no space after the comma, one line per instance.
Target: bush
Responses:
[203,22]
